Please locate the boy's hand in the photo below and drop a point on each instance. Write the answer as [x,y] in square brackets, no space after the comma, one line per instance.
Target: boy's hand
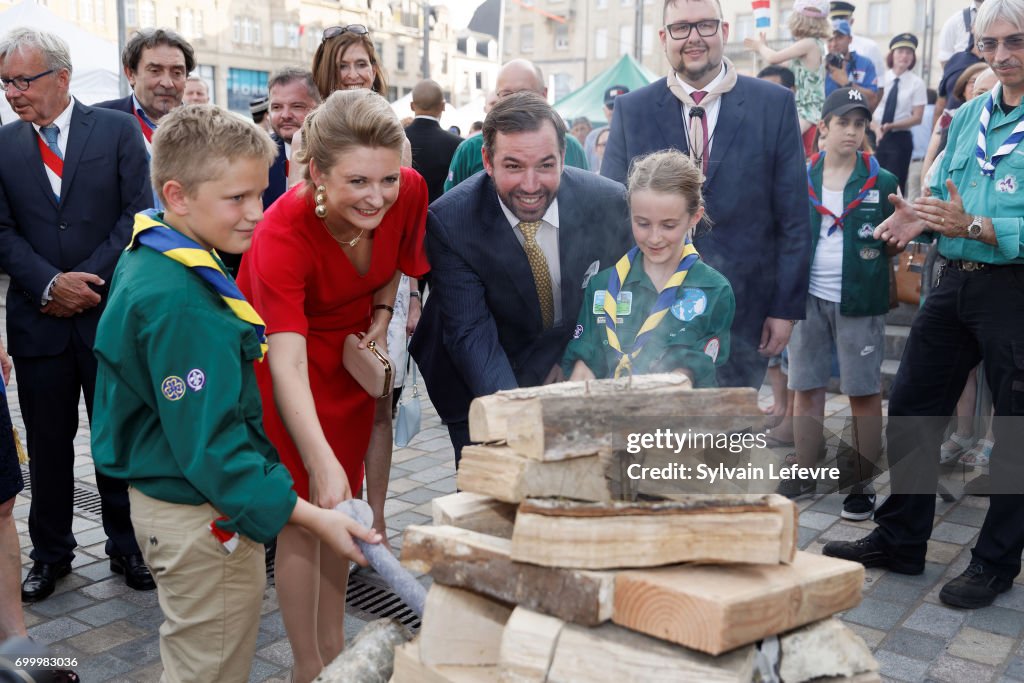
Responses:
[328,484]
[774,336]
[902,226]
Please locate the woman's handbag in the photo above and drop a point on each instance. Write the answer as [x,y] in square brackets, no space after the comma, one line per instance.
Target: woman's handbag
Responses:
[370,366]
[407,422]
[910,272]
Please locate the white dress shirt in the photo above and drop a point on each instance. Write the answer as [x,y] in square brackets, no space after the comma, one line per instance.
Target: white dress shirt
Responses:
[953,37]
[912,93]
[710,111]
[547,240]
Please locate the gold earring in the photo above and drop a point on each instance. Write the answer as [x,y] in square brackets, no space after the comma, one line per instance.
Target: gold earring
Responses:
[321,202]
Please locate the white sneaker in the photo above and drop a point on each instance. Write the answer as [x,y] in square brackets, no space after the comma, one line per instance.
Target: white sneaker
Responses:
[953,448]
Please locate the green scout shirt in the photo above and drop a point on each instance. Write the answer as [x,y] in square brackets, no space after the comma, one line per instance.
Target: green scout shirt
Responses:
[1000,198]
[469,161]
[694,334]
[865,282]
[177,409]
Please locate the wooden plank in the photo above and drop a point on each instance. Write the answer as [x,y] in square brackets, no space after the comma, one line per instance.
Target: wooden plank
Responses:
[721,529]
[488,415]
[527,646]
[409,669]
[482,563]
[717,608]
[475,512]
[501,473]
[612,653]
[461,627]
[557,427]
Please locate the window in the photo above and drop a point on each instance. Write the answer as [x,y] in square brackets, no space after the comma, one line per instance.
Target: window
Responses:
[392,93]
[601,4]
[131,13]
[562,85]
[626,39]
[198,16]
[744,26]
[601,43]
[508,40]
[147,14]
[186,23]
[626,3]
[279,31]
[293,36]
[206,72]
[878,19]
[378,47]
[784,16]
[526,38]
[243,85]
[85,10]
[479,80]
[400,58]
[561,37]
[648,39]
[101,11]
[236,30]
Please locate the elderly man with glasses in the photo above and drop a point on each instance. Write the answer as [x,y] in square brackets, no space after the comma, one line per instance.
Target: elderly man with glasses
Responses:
[745,135]
[975,313]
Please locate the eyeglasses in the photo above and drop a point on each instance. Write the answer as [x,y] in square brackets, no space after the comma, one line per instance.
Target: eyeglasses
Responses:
[335,31]
[705,28]
[23,82]
[1011,43]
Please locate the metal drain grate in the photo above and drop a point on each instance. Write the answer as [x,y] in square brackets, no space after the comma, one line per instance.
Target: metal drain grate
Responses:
[368,598]
[87,502]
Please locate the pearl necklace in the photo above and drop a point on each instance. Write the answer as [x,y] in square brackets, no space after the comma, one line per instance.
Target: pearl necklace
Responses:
[345,243]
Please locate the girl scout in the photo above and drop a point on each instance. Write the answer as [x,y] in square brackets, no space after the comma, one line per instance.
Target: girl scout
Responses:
[660,308]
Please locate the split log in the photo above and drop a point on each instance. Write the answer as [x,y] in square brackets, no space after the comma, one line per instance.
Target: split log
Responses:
[824,648]
[527,646]
[557,427]
[722,529]
[482,563]
[488,415]
[501,473]
[460,627]
[717,608]
[409,669]
[475,512]
[370,657]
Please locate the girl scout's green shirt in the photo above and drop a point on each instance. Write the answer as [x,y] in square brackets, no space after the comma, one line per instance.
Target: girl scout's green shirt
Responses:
[693,335]
[177,411]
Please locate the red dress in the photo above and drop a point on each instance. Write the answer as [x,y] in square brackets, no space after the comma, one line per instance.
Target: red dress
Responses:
[299,280]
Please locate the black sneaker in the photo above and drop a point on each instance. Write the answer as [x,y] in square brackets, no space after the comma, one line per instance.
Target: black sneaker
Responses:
[858,506]
[870,552]
[797,489]
[976,587]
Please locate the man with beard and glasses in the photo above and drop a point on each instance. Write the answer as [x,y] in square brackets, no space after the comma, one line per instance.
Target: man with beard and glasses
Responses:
[511,251]
[973,314]
[745,135]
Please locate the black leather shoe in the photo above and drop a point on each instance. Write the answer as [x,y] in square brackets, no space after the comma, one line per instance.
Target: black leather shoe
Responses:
[42,579]
[870,552]
[136,573]
[976,587]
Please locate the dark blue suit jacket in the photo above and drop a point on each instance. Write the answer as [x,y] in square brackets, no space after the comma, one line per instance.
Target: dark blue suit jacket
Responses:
[481,329]
[105,182]
[121,104]
[278,177]
[756,197]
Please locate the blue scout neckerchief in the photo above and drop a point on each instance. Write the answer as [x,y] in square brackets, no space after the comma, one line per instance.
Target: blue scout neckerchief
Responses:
[661,305]
[872,165]
[151,232]
[988,166]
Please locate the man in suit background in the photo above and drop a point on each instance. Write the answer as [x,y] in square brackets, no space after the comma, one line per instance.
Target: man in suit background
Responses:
[745,134]
[73,179]
[432,146]
[292,94]
[511,251]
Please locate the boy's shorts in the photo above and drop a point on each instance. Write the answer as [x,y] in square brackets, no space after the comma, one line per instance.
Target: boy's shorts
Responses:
[860,345]
[211,599]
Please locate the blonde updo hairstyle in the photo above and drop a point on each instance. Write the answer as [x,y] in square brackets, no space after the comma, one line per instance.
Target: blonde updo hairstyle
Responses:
[668,172]
[347,119]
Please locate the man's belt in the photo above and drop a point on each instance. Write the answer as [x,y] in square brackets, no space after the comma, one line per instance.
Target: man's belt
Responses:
[971,266]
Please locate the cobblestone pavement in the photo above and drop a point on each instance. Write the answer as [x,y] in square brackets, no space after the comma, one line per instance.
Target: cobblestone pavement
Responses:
[112,630]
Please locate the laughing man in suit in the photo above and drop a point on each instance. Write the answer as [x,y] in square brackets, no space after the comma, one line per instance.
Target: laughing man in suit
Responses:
[511,250]
[755,176]
[72,180]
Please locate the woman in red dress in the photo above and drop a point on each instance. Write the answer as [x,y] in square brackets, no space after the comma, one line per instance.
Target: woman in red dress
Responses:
[325,263]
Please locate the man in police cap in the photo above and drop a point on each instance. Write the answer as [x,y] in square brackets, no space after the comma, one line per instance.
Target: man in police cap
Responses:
[861,45]
[590,144]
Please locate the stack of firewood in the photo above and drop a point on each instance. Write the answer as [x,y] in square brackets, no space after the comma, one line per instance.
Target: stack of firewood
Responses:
[543,573]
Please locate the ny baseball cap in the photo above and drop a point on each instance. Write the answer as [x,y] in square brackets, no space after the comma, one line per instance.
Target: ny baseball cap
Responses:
[843,101]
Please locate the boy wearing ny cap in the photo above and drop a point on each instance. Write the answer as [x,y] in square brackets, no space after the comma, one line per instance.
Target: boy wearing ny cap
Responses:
[845,68]
[848,295]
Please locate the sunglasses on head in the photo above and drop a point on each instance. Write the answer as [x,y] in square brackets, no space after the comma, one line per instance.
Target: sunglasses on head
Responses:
[335,31]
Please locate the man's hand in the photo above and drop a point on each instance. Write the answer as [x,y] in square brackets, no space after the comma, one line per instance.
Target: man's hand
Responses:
[72,291]
[56,310]
[5,364]
[839,75]
[774,336]
[902,226]
[944,217]
[413,319]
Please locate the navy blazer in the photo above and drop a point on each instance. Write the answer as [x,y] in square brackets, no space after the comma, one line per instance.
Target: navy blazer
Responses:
[432,150]
[124,104]
[756,198]
[481,329]
[278,184]
[105,182]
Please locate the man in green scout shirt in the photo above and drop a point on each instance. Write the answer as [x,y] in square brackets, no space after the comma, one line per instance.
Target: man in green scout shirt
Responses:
[973,314]
[178,412]
[519,75]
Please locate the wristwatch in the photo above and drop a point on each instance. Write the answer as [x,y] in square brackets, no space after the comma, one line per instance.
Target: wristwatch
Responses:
[974,229]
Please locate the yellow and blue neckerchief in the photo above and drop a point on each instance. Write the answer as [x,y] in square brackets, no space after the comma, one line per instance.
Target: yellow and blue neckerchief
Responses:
[661,305]
[151,232]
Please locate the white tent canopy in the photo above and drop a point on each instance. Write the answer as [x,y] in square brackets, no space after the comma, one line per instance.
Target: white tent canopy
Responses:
[95,72]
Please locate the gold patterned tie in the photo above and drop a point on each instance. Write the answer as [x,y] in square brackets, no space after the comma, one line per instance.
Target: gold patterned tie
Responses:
[539,266]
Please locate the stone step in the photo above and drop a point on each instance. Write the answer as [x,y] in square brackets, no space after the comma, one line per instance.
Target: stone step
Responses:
[903,314]
[895,341]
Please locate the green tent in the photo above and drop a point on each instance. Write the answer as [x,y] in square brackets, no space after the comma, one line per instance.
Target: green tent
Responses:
[589,99]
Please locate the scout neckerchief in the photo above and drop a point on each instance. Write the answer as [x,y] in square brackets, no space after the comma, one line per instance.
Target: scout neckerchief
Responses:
[661,305]
[988,166]
[872,165]
[150,232]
